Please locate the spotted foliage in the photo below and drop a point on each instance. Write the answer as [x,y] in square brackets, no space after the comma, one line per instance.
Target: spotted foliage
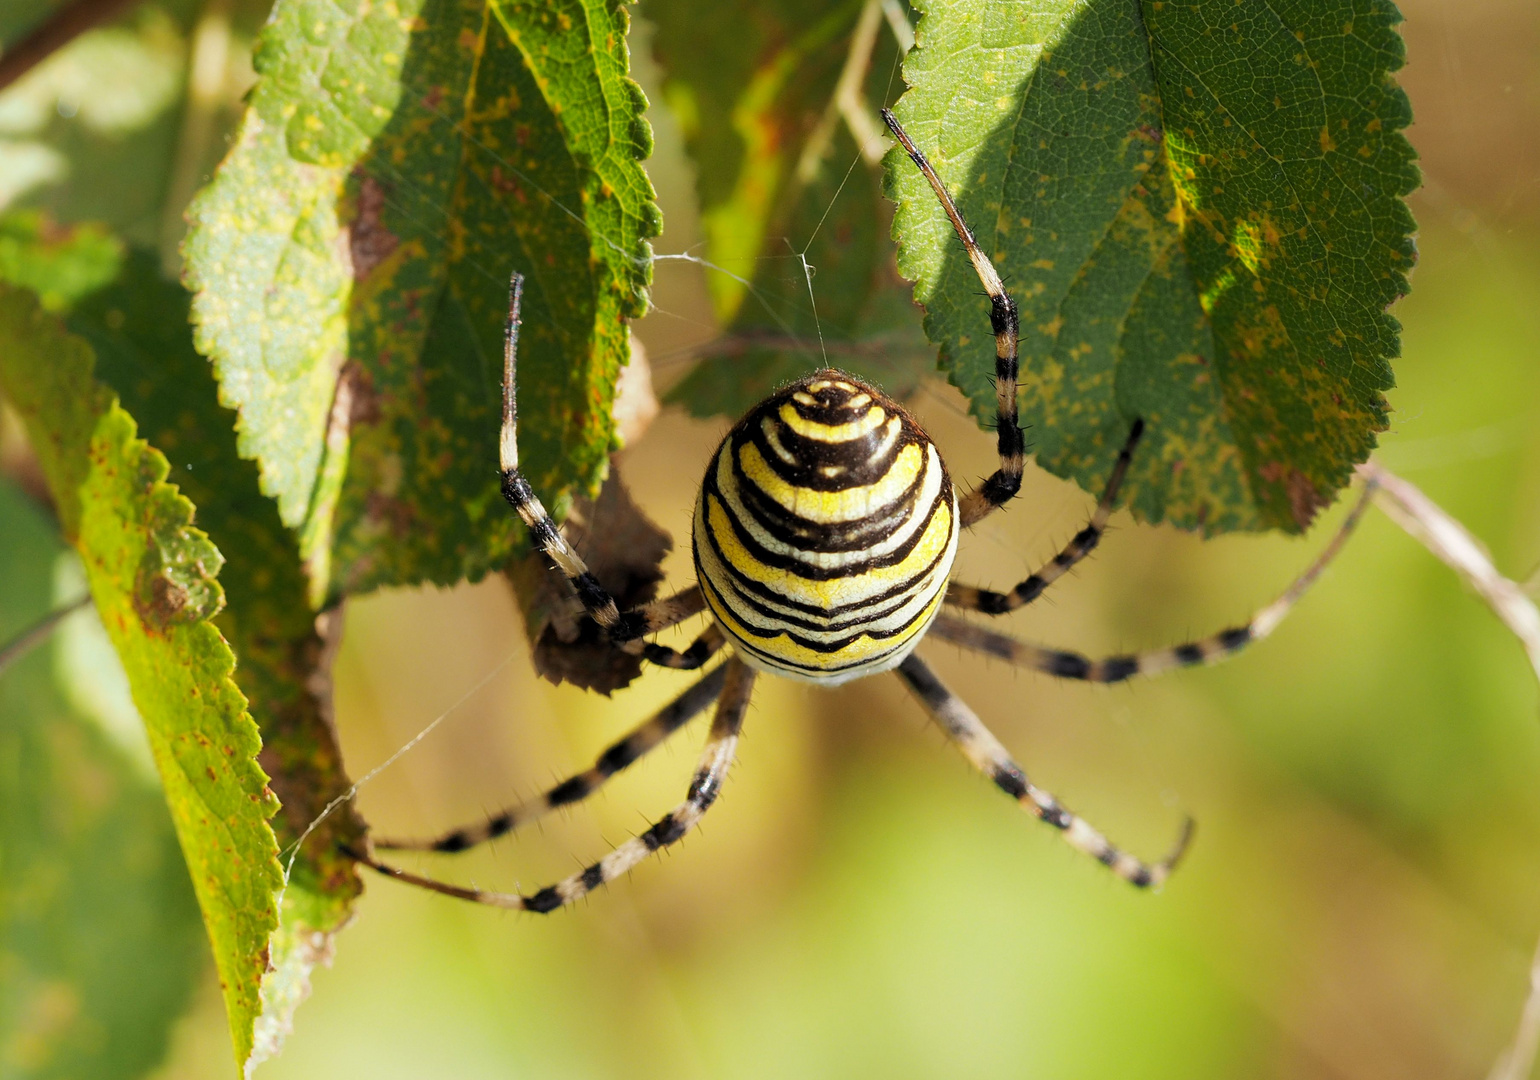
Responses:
[1198,208]
[351,261]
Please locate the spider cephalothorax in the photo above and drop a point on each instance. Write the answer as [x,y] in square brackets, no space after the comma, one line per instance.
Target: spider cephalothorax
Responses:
[824,537]
[824,532]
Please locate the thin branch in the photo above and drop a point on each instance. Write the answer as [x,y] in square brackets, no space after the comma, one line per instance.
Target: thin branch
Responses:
[1441,534]
[207,91]
[864,126]
[848,103]
[57,31]
[898,22]
[37,633]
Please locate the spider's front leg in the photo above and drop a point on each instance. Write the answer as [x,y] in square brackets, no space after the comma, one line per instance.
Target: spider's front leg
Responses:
[1003,484]
[990,757]
[623,628]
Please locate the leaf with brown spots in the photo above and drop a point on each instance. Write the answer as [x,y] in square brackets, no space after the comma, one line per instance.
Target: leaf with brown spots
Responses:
[135,328]
[1197,206]
[135,537]
[351,261]
[88,851]
[139,329]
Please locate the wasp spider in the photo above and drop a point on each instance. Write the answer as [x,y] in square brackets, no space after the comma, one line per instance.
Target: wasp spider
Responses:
[823,538]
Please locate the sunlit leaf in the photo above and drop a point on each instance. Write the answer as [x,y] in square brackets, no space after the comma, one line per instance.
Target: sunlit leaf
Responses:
[153,577]
[1197,206]
[351,263]
[139,330]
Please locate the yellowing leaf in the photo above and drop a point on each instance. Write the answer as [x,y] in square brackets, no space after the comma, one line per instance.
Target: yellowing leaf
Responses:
[153,577]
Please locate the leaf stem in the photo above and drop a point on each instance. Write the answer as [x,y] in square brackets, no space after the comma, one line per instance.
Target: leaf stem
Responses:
[849,103]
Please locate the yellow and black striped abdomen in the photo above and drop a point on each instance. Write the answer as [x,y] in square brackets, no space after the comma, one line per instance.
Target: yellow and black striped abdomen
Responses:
[825,531]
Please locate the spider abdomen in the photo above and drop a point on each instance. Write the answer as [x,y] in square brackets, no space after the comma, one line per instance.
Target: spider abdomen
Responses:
[825,530]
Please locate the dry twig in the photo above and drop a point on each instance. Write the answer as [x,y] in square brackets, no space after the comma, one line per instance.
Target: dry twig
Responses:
[57,31]
[38,632]
[1441,534]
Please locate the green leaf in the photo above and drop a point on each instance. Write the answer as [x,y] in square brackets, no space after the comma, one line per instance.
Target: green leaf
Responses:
[138,328]
[153,579]
[351,261]
[1197,206]
[780,178]
[99,932]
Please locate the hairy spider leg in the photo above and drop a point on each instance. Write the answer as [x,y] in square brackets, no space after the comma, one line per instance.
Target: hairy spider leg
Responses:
[619,755]
[1111,669]
[669,829]
[1005,482]
[1084,542]
[701,650]
[980,746]
[622,628]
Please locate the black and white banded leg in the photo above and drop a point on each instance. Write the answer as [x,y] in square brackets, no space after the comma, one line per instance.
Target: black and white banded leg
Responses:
[989,602]
[980,746]
[617,756]
[701,649]
[624,629]
[1111,669]
[1005,482]
[705,786]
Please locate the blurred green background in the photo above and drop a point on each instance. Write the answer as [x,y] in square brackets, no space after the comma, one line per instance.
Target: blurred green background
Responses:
[1364,894]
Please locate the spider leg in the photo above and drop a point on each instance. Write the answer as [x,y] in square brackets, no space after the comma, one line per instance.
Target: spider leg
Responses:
[988,602]
[617,756]
[1003,484]
[705,786]
[987,754]
[662,614]
[701,649]
[620,627]
[671,610]
[1209,650]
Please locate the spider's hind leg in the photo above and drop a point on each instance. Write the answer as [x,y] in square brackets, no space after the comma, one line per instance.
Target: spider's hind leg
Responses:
[705,786]
[617,756]
[987,754]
